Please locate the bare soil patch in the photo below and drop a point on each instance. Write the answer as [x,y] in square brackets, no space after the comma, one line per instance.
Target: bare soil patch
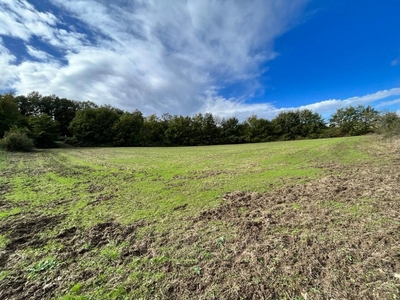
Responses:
[333,238]
[78,245]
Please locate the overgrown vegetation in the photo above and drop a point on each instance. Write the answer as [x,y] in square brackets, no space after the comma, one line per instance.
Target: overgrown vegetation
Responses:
[315,219]
[49,118]
[16,139]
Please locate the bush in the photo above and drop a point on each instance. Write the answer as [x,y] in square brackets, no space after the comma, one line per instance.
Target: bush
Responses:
[16,139]
[389,124]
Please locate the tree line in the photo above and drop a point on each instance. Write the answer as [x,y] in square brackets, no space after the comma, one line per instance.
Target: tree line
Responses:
[42,120]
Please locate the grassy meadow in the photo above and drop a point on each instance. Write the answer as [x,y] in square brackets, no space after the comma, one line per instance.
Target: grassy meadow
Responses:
[159,223]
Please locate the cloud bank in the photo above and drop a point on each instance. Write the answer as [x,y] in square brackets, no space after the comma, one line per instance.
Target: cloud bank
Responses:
[157,56]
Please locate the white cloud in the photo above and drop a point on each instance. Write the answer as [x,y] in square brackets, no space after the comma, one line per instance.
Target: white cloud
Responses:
[20,19]
[41,55]
[7,75]
[229,107]
[333,104]
[395,62]
[158,56]
[388,103]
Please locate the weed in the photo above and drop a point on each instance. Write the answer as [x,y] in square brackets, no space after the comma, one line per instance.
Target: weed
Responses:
[197,270]
[41,267]
[3,240]
[220,241]
[76,289]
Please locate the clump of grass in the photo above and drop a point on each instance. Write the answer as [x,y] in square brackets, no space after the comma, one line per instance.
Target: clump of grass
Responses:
[40,267]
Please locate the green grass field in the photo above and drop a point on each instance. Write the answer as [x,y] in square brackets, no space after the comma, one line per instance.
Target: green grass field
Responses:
[128,223]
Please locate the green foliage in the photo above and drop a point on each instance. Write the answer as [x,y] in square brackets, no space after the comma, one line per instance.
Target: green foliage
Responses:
[94,126]
[389,124]
[258,130]
[153,130]
[179,131]
[127,129]
[16,139]
[354,120]
[231,131]
[86,124]
[76,289]
[9,114]
[44,130]
[64,112]
[41,267]
[61,110]
[291,125]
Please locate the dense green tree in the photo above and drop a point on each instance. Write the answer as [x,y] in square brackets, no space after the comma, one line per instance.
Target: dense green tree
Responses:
[94,126]
[64,112]
[46,105]
[388,124]
[153,131]
[127,129]
[290,125]
[287,125]
[211,132]
[179,132]
[9,114]
[29,105]
[44,130]
[311,123]
[257,130]
[354,120]
[231,131]
[196,135]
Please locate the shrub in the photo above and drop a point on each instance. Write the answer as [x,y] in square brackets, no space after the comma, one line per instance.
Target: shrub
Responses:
[16,139]
[389,124]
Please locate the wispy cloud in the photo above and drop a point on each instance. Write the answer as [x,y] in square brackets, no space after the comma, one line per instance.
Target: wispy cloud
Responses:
[332,104]
[158,56]
[7,60]
[230,107]
[389,103]
[41,55]
[395,62]
[19,19]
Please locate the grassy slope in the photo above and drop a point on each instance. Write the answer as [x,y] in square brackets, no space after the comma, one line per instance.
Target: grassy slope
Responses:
[164,186]
[135,183]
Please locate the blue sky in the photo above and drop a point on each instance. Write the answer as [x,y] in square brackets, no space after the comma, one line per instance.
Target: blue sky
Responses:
[231,58]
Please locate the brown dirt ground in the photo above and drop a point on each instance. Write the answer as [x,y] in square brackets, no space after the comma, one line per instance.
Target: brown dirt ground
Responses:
[333,238]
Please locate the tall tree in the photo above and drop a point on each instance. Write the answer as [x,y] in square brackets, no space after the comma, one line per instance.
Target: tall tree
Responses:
[64,113]
[127,129]
[354,120]
[211,132]
[179,132]
[94,126]
[45,130]
[257,129]
[231,131]
[311,123]
[9,114]
[287,125]
[153,131]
